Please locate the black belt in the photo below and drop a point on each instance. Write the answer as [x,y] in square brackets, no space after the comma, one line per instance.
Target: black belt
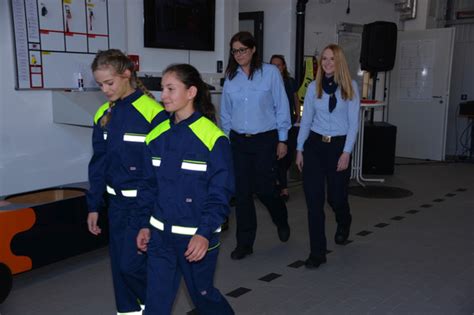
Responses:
[250,135]
[326,139]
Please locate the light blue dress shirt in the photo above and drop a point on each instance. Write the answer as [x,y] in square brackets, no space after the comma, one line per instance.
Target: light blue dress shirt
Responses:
[344,120]
[257,105]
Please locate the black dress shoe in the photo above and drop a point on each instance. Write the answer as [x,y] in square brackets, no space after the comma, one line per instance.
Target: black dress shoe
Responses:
[342,234]
[284,233]
[314,262]
[240,252]
[225,225]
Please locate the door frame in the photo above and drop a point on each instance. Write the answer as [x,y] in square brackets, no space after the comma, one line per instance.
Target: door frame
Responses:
[257,18]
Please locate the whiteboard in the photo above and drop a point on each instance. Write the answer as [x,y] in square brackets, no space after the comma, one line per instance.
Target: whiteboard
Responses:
[56,41]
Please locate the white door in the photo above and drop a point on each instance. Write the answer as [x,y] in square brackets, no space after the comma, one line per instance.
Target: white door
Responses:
[419,92]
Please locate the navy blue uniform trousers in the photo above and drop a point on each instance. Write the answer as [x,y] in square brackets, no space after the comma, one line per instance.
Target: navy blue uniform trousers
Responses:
[255,165]
[320,164]
[167,264]
[128,264]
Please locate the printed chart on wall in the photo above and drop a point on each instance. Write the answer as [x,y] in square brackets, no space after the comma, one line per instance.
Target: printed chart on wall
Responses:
[56,41]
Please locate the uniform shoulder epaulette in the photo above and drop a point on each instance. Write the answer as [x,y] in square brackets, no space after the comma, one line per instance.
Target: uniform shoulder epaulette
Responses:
[100,112]
[148,107]
[206,131]
[158,130]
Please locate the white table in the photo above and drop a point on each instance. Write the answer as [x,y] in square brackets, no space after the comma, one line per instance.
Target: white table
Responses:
[357,154]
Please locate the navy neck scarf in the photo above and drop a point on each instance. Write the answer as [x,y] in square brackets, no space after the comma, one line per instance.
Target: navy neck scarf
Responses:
[330,87]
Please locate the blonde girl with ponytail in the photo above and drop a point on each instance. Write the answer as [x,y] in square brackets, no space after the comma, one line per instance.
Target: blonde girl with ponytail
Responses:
[116,169]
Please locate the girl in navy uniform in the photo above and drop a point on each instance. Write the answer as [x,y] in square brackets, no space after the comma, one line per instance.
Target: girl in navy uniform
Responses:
[116,167]
[188,196]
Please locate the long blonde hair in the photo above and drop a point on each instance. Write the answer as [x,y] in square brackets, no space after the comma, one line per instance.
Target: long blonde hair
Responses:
[341,73]
[119,62]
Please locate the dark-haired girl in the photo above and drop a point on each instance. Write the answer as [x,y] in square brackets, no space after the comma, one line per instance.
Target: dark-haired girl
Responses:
[116,168]
[188,190]
[291,88]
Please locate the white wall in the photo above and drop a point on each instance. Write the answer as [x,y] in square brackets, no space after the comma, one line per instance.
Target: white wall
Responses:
[279,27]
[322,19]
[37,153]
[34,152]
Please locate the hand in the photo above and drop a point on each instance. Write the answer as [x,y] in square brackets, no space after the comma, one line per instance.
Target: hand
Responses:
[92,219]
[282,149]
[343,162]
[197,248]
[299,160]
[143,238]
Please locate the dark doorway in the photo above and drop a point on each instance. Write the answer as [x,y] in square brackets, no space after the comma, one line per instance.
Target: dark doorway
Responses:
[253,23]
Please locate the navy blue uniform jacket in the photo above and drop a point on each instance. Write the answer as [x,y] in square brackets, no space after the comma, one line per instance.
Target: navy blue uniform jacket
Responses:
[117,161]
[193,175]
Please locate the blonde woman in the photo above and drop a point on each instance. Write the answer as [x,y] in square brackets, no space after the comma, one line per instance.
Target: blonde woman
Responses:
[326,138]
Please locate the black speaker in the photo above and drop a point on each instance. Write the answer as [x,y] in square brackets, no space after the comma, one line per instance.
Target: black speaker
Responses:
[379,148]
[379,45]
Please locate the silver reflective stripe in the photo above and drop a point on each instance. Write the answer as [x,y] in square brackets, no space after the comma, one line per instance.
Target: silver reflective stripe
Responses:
[201,167]
[176,229]
[105,135]
[133,138]
[110,190]
[157,223]
[129,193]
[156,161]
[130,313]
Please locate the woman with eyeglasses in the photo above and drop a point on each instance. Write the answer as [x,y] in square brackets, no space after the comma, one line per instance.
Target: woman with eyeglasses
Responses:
[255,114]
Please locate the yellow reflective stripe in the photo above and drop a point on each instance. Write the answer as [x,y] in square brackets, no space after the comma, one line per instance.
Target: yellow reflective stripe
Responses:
[206,131]
[157,223]
[148,107]
[157,131]
[133,137]
[100,112]
[129,193]
[194,166]
[214,247]
[156,161]
[110,190]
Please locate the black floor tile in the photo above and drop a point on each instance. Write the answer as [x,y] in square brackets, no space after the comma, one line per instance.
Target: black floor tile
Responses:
[461,189]
[270,277]
[296,264]
[412,211]
[346,242]
[381,225]
[438,200]
[450,195]
[364,233]
[238,292]
[397,218]
[426,205]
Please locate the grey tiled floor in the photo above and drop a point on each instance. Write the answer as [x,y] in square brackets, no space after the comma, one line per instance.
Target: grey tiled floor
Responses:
[421,263]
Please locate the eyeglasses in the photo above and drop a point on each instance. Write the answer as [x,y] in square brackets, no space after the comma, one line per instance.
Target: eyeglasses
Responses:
[239,51]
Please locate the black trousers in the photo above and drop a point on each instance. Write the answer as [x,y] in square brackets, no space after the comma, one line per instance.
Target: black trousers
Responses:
[255,172]
[320,163]
[285,163]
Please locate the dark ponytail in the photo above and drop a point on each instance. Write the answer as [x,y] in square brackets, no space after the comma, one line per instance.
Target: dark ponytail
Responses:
[191,77]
